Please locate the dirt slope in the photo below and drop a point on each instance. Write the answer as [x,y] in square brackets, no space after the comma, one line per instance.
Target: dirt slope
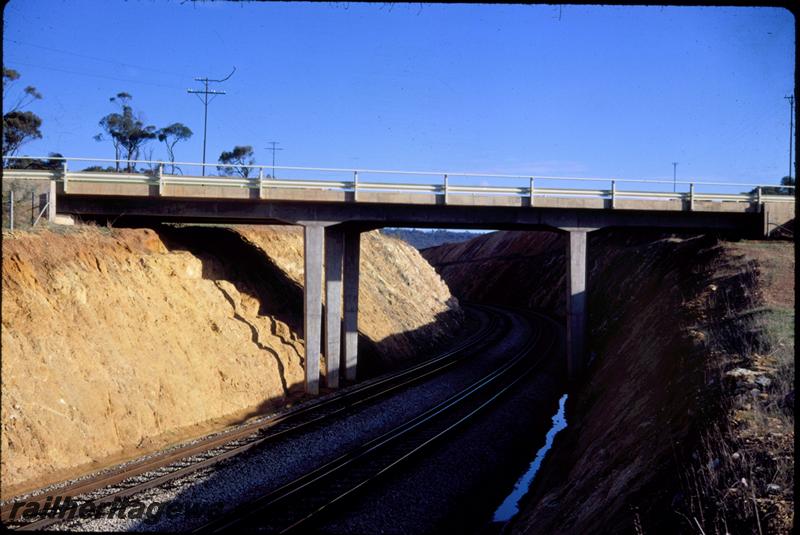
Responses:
[403,304]
[115,343]
[650,424]
[513,268]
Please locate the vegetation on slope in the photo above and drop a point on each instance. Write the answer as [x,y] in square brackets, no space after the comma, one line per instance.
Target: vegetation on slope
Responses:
[683,339]
[742,477]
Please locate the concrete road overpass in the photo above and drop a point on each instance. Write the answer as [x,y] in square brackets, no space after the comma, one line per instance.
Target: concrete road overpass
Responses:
[334,212]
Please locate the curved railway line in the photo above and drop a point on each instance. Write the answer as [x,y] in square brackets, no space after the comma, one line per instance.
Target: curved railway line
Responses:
[299,503]
[161,468]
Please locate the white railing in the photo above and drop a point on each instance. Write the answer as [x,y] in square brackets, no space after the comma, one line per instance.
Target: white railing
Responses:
[443,186]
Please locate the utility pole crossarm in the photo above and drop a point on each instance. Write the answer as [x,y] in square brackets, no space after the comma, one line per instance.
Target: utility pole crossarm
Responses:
[205,92]
[273,149]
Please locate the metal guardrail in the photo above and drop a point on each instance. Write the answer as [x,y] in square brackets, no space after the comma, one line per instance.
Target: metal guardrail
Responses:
[156,176]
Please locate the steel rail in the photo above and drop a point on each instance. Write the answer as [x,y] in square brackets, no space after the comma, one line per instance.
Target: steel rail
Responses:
[417,450]
[241,513]
[268,430]
[452,427]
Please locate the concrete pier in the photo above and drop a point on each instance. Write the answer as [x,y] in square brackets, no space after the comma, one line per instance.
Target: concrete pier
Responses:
[576,302]
[51,202]
[334,252]
[352,258]
[313,238]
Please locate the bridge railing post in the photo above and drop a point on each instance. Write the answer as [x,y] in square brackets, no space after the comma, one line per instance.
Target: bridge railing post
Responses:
[160,177]
[613,194]
[355,185]
[758,198]
[64,177]
[530,192]
[445,188]
[691,197]
[260,182]
[51,202]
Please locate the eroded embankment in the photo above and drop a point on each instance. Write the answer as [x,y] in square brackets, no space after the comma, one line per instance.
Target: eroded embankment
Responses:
[119,342]
[656,421]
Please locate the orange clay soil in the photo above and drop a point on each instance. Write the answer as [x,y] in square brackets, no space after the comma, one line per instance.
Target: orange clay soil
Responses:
[119,342]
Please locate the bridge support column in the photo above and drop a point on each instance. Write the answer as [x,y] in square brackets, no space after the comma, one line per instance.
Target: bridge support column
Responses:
[334,251]
[51,202]
[576,302]
[313,238]
[352,258]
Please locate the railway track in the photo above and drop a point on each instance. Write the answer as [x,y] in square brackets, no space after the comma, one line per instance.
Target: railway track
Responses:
[300,503]
[160,469]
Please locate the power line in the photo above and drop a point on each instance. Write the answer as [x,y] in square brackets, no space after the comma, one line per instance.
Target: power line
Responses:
[57,69]
[95,58]
[205,92]
[273,149]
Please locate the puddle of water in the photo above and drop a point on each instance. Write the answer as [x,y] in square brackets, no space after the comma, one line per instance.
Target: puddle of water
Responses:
[510,505]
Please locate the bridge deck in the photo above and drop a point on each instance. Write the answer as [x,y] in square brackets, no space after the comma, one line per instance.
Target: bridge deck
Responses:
[332,201]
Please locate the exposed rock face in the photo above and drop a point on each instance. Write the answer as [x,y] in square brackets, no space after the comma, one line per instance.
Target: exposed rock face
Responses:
[117,343]
[403,304]
[514,268]
[667,317]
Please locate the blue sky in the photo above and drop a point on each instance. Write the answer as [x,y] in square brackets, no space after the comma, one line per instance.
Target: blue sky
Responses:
[529,89]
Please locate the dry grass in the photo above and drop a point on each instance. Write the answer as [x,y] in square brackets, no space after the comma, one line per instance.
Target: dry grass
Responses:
[23,212]
[741,478]
[43,226]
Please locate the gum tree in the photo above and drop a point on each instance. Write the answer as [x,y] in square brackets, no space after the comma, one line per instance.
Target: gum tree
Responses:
[171,135]
[19,126]
[126,129]
[239,157]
